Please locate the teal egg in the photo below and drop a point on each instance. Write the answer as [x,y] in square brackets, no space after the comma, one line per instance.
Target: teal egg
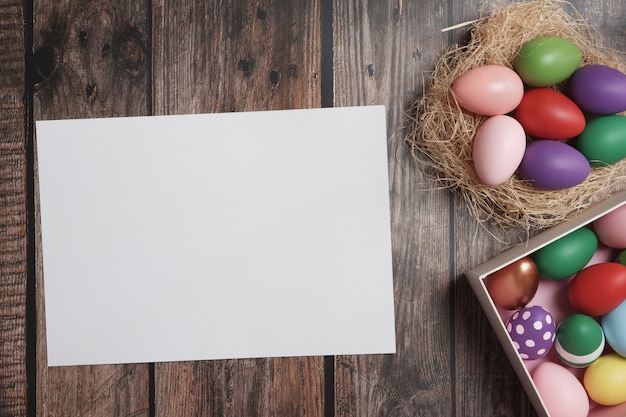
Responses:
[579,340]
[614,326]
[603,142]
[546,61]
[567,255]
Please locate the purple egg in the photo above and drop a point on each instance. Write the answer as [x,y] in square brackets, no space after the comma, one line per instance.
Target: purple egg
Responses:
[598,89]
[553,165]
[532,330]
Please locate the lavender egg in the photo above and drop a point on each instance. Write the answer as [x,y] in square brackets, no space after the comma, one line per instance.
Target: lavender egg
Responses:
[598,89]
[532,330]
[553,165]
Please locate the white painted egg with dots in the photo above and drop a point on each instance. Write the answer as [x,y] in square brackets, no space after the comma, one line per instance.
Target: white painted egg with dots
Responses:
[532,330]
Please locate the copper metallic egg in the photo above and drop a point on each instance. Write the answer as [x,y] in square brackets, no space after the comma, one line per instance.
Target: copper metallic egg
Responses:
[513,286]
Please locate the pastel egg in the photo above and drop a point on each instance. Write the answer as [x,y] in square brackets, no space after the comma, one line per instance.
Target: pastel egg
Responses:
[598,89]
[553,165]
[614,326]
[498,148]
[489,90]
[579,340]
[605,380]
[567,255]
[561,392]
[548,114]
[532,330]
[598,288]
[547,60]
[603,141]
[611,228]
[513,286]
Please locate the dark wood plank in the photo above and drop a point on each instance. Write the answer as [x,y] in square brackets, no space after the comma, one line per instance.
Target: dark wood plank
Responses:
[480,363]
[381,51]
[13,217]
[237,56]
[92,61]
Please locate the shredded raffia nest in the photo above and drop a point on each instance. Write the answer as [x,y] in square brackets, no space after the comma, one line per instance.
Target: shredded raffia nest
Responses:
[441,132]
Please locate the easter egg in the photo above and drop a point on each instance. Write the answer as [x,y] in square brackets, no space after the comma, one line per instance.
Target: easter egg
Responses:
[603,142]
[621,258]
[546,61]
[561,392]
[579,340]
[498,148]
[532,330]
[548,114]
[598,89]
[614,326]
[553,165]
[605,380]
[489,90]
[567,255]
[598,288]
[513,286]
[611,228]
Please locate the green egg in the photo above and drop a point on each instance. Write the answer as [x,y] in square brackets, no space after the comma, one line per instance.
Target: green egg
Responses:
[546,61]
[567,255]
[579,340]
[603,142]
[621,258]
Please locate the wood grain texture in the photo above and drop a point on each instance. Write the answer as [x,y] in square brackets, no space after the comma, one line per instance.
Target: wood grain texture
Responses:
[13,217]
[246,387]
[381,51]
[91,61]
[237,56]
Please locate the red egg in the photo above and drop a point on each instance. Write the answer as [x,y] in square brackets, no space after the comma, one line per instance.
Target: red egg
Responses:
[548,114]
[513,286]
[598,289]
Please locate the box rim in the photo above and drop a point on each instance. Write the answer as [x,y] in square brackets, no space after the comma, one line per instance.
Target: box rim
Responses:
[477,275]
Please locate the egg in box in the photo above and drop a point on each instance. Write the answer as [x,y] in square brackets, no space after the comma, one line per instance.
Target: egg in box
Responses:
[558,306]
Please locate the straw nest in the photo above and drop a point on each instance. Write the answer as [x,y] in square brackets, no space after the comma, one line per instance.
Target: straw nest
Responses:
[441,132]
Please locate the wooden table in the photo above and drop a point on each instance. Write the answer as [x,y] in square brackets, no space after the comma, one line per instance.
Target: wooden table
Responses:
[88,59]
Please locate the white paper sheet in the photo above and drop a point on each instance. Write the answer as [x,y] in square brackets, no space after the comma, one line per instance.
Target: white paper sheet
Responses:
[216,236]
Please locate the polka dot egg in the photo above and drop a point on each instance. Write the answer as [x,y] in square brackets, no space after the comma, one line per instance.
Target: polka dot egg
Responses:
[532,330]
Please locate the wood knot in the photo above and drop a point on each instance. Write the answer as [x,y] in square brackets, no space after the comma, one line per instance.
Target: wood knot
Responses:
[83,37]
[46,61]
[129,52]
[106,50]
[274,77]
[245,66]
[91,91]
[261,13]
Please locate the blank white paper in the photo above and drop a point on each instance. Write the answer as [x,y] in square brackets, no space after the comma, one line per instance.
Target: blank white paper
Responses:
[216,236]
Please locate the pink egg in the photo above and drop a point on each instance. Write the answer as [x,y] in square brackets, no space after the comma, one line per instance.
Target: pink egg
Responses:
[489,90]
[611,228]
[561,392]
[498,149]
